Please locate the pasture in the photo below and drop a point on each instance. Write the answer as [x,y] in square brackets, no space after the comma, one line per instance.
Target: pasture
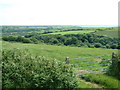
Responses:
[58,52]
[110,33]
[61,52]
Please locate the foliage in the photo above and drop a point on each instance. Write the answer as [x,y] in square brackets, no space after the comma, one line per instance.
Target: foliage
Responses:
[97,45]
[87,40]
[22,70]
[114,69]
[62,35]
[17,39]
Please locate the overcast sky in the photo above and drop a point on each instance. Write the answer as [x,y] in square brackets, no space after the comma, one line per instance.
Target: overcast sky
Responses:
[59,12]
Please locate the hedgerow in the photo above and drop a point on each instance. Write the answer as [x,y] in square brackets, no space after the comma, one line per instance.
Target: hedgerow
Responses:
[22,70]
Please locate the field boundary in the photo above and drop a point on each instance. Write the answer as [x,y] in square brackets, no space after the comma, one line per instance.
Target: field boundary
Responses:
[82,69]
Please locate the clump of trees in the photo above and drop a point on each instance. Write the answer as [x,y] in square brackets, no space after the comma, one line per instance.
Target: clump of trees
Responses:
[87,40]
[22,70]
[17,39]
[20,39]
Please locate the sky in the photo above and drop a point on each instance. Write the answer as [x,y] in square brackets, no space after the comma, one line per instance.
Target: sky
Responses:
[59,12]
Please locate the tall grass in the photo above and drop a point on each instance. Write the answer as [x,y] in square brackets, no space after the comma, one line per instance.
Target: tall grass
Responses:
[103,80]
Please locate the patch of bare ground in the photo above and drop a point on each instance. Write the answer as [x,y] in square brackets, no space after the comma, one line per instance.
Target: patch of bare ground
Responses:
[85,71]
[98,59]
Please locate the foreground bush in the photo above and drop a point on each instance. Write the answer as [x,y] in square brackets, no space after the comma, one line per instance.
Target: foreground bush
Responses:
[22,70]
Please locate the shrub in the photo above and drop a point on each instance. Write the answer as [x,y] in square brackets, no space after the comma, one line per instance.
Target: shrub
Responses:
[9,38]
[114,69]
[22,70]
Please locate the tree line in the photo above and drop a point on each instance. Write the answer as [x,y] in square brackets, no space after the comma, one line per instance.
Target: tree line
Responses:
[79,40]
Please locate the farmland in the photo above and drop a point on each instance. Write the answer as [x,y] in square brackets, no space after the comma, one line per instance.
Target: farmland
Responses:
[54,29]
[111,33]
[23,30]
[48,48]
[73,32]
[60,52]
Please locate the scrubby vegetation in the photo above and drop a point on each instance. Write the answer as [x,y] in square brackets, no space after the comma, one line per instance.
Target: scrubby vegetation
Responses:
[22,70]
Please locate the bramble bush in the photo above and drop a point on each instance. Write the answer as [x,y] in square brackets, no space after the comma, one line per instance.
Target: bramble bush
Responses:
[22,70]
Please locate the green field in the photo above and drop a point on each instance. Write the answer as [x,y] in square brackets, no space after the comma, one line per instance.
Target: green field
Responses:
[59,52]
[73,32]
[110,33]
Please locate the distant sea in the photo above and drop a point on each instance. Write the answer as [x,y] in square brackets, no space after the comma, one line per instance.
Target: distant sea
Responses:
[97,25]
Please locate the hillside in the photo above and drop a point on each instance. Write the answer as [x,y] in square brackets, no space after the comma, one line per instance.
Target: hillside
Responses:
[112,32]
[61,52]
[58,52]
[64,35]
[84,50]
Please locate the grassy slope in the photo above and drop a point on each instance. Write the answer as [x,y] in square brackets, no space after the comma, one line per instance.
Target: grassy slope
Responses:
[111,33]
[60,52]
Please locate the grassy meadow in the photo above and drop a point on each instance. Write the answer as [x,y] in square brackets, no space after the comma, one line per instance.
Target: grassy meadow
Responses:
[110,33]
[59,52]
